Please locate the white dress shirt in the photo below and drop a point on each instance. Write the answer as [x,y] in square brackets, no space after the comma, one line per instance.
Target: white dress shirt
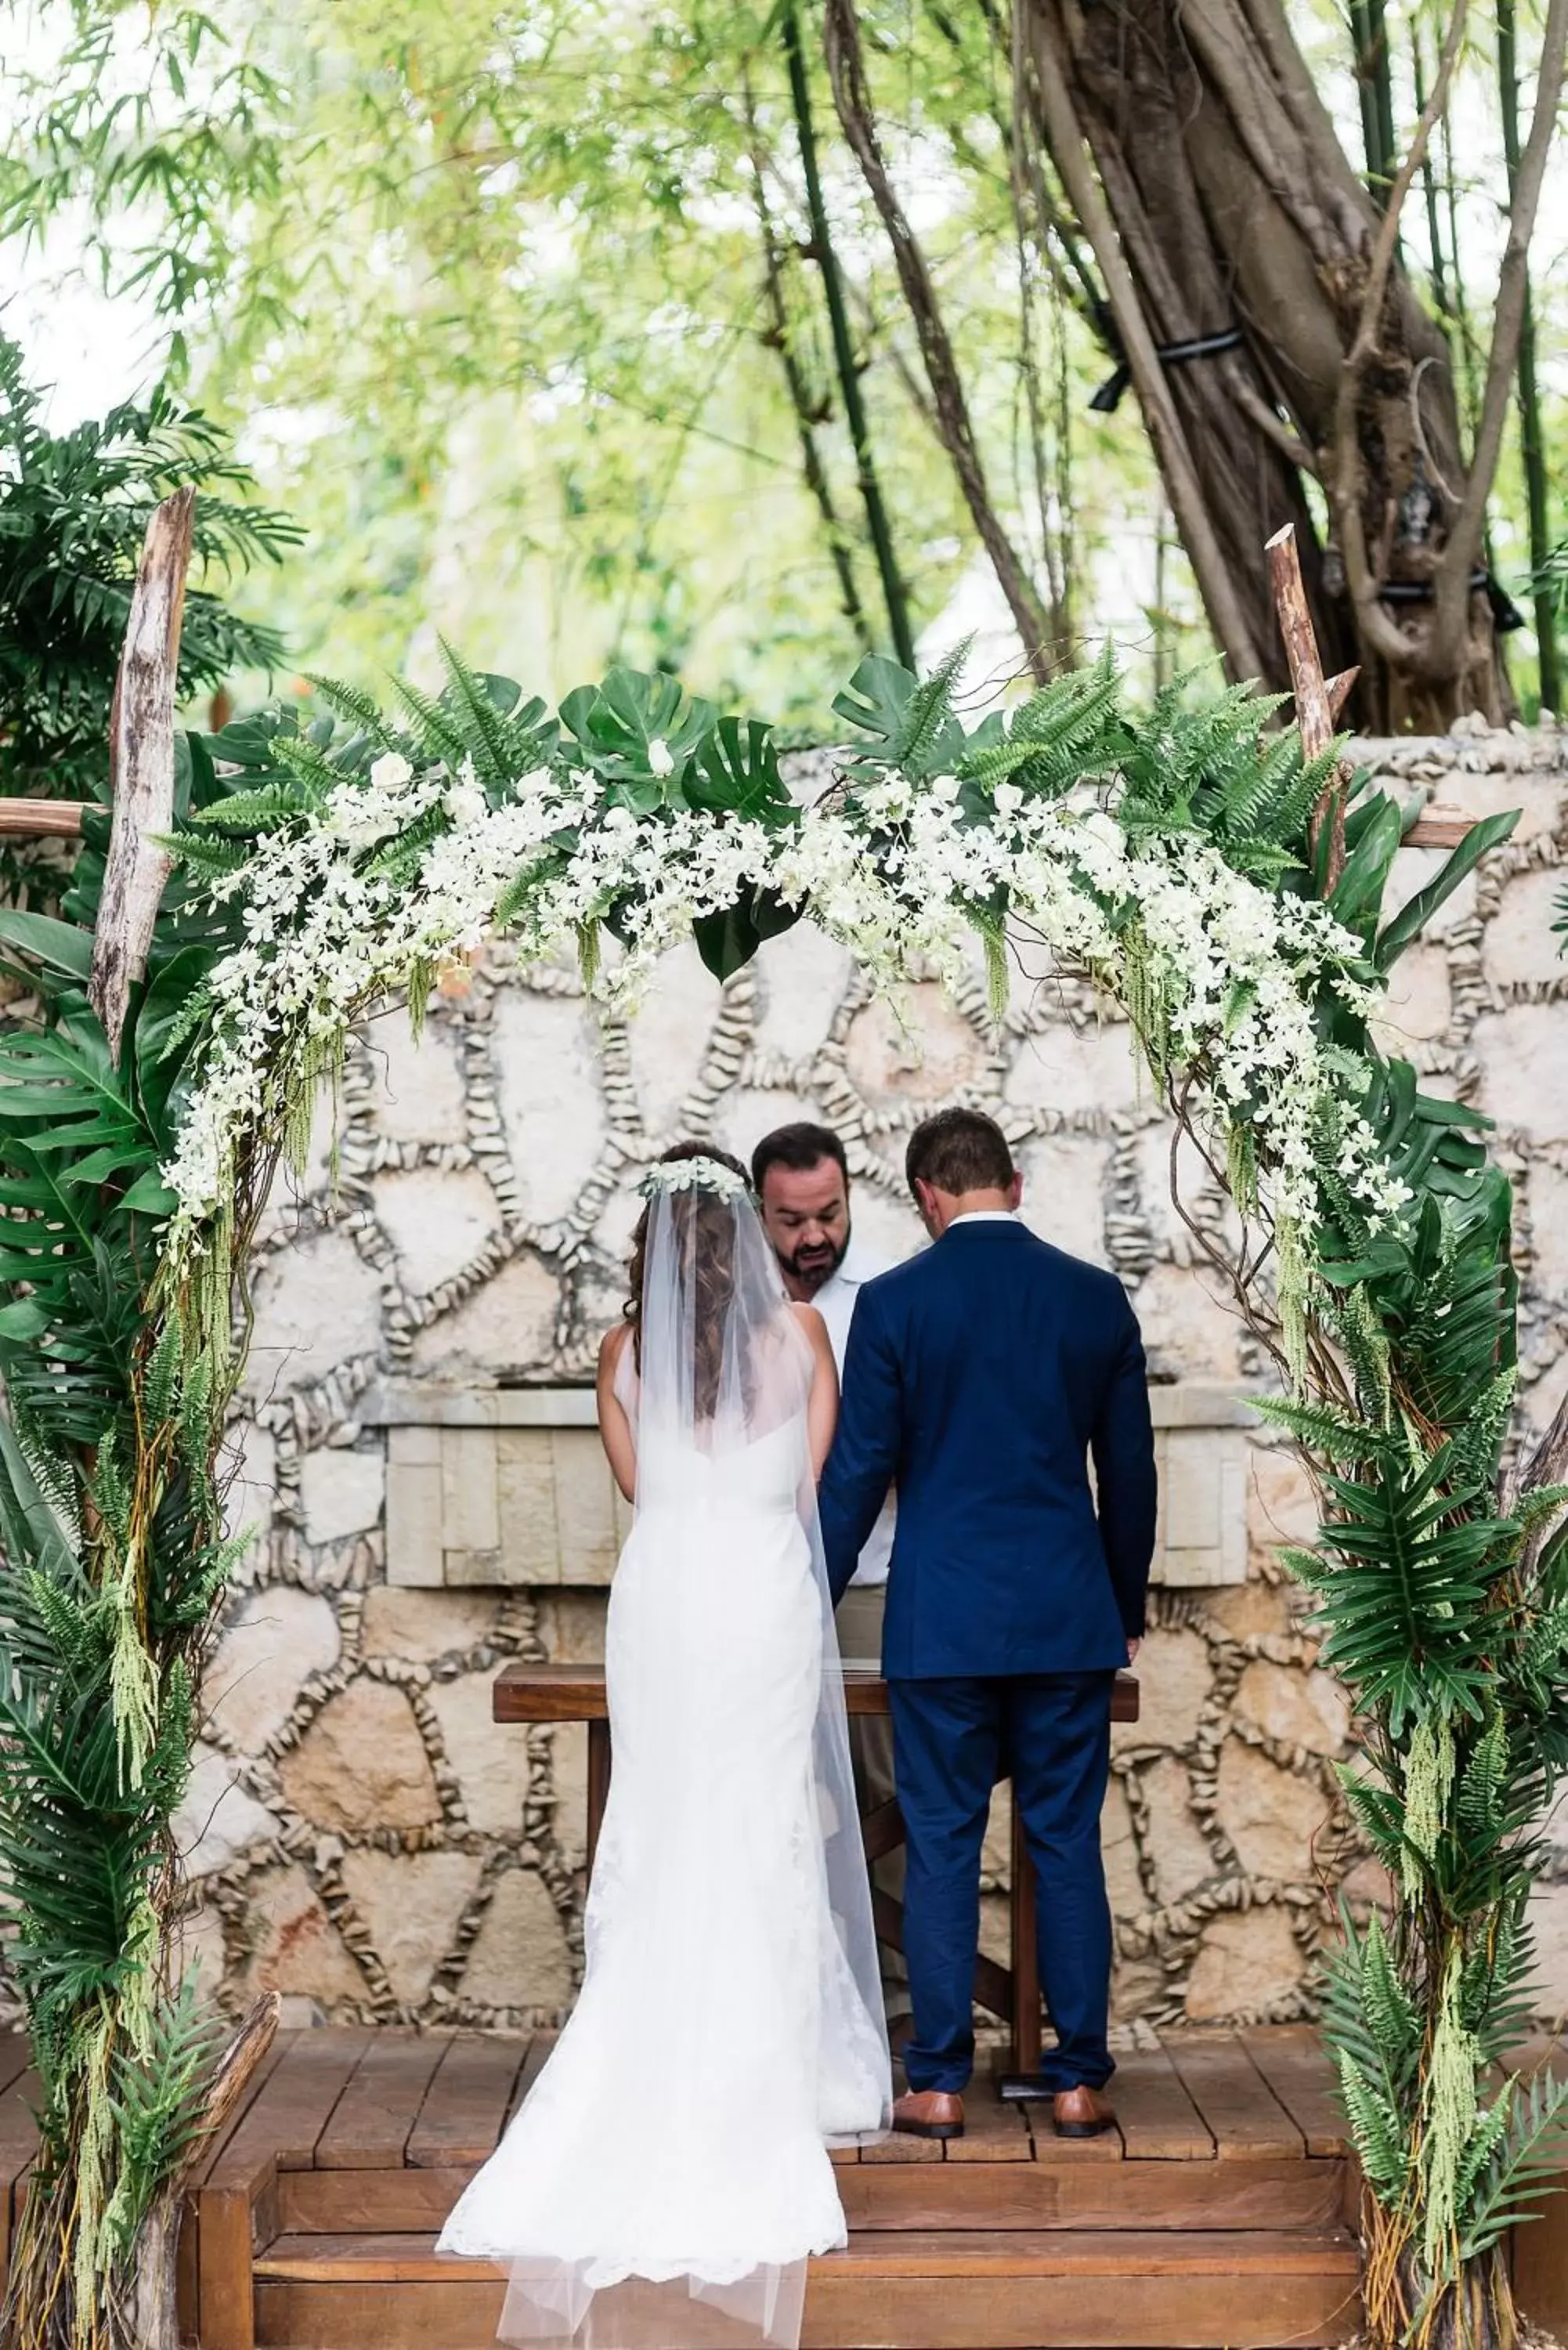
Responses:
[835,1301]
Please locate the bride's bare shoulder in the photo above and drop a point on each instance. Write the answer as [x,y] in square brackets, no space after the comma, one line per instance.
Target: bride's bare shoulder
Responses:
[613,1346]
[811,1324]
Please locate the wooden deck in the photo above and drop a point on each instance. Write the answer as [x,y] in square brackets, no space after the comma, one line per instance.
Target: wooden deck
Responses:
[1218,2216]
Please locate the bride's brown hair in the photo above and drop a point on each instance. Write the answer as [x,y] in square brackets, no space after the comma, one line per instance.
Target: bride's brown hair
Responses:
[705,1229]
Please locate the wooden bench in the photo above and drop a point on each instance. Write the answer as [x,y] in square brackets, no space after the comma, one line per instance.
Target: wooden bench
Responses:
[542,1693]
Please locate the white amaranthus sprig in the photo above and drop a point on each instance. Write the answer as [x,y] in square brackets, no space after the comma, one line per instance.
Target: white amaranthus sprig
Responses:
[328,931]
[901,871]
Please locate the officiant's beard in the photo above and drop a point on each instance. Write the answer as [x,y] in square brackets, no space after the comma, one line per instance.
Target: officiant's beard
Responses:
[814,1265]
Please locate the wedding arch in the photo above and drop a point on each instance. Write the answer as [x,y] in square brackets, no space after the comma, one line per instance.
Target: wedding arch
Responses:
[253,895]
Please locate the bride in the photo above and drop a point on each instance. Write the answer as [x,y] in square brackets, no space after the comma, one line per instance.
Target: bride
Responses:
[674,2149]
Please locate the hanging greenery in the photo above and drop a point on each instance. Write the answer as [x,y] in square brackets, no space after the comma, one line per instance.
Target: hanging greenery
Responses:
[1168,855]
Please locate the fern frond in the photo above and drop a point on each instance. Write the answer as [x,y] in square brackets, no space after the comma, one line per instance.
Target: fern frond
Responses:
[1526,2165]
[482,723]
[356,706]
[441,739]
[207,860]
[265,809]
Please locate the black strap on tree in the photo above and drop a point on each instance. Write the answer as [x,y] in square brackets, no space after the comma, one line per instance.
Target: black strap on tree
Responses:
[1107,400]
[1506,615]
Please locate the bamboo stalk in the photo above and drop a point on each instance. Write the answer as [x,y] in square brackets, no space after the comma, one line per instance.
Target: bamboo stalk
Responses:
[1429,189]
[852,98]
[806,415]
[1531,452]
[877,522]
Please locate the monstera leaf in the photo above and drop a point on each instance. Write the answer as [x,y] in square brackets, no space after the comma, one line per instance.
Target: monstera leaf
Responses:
[636,729]
[734,771]
[908,721]
[727,942]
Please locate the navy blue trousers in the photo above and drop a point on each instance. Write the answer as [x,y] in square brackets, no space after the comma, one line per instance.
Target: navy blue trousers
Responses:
[953,1740]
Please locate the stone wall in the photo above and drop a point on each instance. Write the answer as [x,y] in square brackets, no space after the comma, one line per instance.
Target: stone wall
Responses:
[362,1836]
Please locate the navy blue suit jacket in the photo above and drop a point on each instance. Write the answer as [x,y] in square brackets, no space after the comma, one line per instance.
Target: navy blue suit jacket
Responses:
[980,1376]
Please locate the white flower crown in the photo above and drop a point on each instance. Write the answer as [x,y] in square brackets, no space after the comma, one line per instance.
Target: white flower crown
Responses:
[693,1175]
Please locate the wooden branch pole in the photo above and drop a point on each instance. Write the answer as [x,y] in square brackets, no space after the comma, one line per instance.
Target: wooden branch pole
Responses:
[1320,703]
[42,819]
[1339,690]
[1314,701]
[141,765]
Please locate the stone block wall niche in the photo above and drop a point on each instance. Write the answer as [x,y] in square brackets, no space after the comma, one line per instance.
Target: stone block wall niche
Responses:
[509,1487]
[496,1488]
[415,1449]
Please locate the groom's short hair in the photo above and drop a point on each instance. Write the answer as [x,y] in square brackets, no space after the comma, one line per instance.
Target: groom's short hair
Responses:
[958,1150]
[798,1146]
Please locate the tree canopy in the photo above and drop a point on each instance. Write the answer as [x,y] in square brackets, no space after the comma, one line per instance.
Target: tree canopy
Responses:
[528,313]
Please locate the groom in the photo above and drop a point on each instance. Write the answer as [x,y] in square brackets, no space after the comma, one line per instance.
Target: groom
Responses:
[980,1376]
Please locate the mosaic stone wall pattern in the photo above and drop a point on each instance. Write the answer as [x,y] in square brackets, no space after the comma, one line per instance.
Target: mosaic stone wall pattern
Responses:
[360,1834]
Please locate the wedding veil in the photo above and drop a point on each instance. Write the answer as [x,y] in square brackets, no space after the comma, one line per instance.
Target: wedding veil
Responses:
[723,1367]
[718,1873]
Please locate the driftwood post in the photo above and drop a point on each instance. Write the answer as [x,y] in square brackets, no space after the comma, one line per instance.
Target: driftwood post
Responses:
[1319,703]
[141,765]
[1314,704]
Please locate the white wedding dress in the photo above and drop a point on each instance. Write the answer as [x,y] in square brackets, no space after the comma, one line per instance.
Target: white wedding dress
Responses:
[729,2023]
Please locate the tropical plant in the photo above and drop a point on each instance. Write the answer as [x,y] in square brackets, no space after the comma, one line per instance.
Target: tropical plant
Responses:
[74,510]
[111,1525]
[1172,856]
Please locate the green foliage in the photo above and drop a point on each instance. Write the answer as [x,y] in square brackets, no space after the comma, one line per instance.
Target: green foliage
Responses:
[1440,1582]
[1376,2029]
[1413,917]
[74,510]
[81,1851]
[1438,1592]
[652,746]
[904,723]
[110,1527]
[1403,1587]
[1211,770]
[156,2104]
[1516,2162]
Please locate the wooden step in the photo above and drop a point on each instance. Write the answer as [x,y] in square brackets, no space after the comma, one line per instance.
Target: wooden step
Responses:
[1061,2193]
[949,2290]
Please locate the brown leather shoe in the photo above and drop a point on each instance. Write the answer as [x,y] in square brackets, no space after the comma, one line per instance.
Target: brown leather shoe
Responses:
[1082,2112]
[929,2112]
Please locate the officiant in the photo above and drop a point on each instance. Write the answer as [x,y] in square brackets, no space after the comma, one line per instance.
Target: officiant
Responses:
[801,1178]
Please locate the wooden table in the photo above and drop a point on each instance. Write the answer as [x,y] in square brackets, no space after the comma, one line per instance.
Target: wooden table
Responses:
[534,1693]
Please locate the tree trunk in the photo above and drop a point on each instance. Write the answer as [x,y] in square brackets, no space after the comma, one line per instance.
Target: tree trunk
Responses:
[1235,207]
